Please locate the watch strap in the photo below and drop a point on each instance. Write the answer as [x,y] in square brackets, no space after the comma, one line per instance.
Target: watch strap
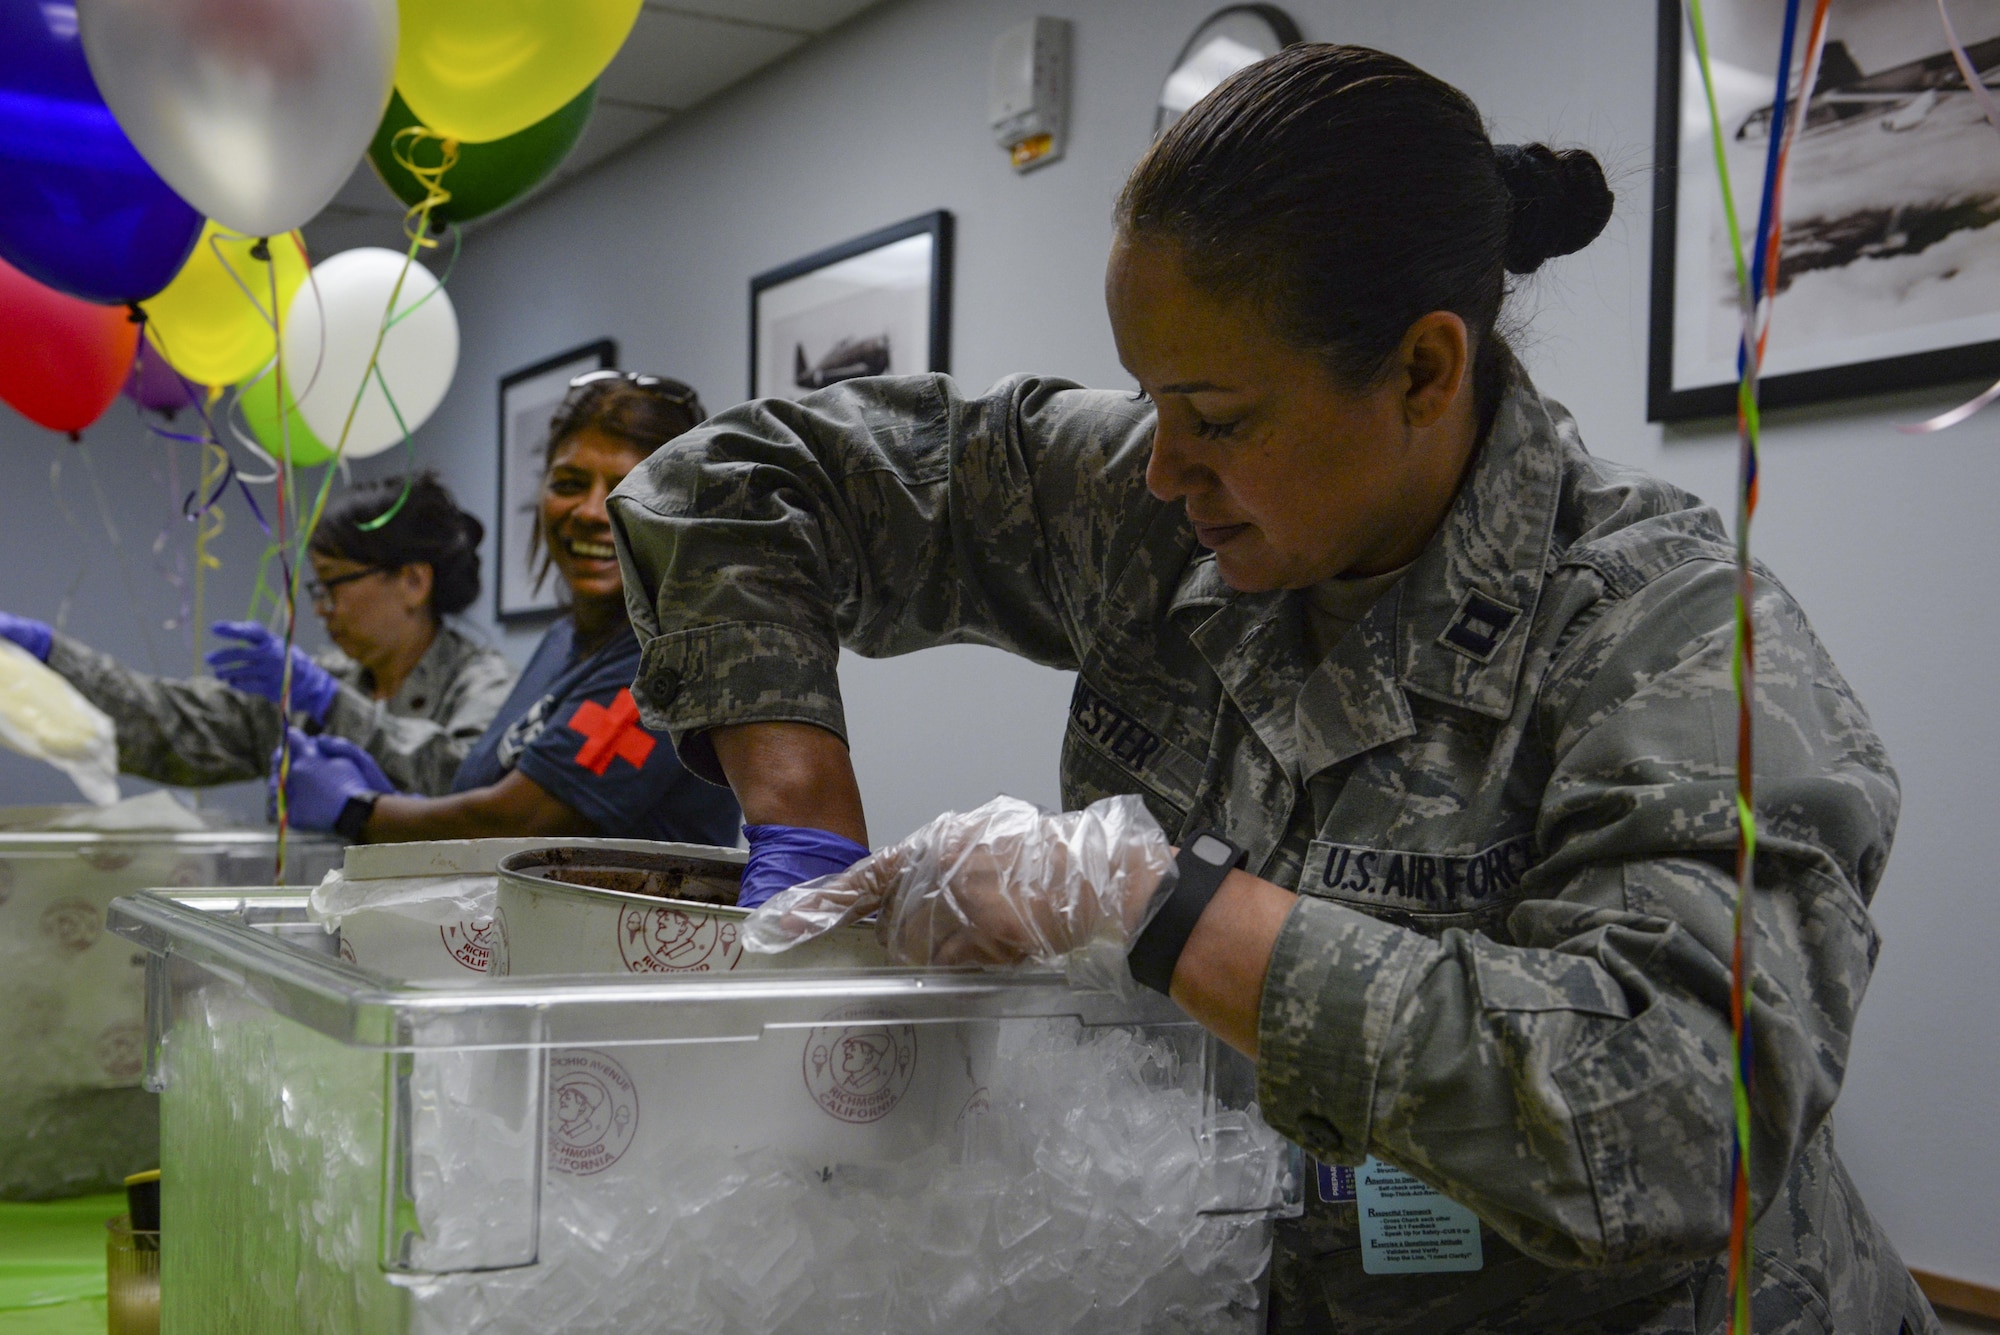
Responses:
[1202,865]
[352,822]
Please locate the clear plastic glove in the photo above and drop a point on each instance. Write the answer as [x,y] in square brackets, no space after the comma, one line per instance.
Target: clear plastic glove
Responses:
[782,856]
[1005,884]
[326,772]
[256,664]
[37,637]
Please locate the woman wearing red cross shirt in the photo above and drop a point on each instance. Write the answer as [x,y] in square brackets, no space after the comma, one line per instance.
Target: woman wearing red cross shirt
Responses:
[566,753]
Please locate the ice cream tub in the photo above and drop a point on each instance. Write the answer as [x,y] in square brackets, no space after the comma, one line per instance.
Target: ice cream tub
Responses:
[447,886]
[669,909]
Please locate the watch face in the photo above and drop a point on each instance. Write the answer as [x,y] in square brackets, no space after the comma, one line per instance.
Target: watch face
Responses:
[1212,850]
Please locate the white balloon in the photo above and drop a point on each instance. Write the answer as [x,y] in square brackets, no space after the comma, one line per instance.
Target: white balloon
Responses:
[254,111]
[332,325]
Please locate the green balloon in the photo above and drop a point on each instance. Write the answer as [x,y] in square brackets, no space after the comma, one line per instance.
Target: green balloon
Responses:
[486,175]
[258,397]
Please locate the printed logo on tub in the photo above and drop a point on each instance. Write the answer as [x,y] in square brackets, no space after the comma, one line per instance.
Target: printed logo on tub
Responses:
[593,1112]
[669,940]
[858,1072]
[121,1050]
[496,962]
[71,925]
[37,1016]
[471,942]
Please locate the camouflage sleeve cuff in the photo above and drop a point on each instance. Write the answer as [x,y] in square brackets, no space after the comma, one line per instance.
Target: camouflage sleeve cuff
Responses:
[1331,995]
[738,672]
[352,715]
[72,659]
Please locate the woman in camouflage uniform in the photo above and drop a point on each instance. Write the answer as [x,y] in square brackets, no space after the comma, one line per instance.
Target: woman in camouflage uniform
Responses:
[1343,589]
[403,683]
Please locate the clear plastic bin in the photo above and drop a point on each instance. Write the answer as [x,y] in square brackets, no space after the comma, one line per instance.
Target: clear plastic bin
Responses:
[868,1151]
[73,1118]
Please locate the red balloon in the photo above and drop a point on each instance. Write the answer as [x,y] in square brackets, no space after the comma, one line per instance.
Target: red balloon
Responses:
[62,360]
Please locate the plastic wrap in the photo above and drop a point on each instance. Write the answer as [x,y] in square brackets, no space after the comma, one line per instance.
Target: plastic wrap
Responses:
[1006,883]
[44,717]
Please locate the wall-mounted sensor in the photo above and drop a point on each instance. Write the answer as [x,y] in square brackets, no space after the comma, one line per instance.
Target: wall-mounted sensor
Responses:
[1027,92]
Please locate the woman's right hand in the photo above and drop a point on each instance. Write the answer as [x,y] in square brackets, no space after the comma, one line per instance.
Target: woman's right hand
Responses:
[37,637]
[782,856]
[1001,885]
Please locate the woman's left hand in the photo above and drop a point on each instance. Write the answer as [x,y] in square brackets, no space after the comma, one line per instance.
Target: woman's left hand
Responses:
[254,661]
[1004,884]
[325,772]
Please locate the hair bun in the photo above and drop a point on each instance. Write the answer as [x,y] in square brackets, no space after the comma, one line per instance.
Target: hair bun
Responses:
[470,531]
[1560,202]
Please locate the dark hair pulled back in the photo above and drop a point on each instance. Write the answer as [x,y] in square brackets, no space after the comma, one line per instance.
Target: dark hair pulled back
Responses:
[643,410]
[648,411]
[1350,193]
[429,530]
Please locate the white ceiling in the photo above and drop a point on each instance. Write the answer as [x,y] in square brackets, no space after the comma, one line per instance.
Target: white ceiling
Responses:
[677,56]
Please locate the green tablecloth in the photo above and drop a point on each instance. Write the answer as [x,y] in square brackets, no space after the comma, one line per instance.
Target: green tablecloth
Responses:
[52,1265]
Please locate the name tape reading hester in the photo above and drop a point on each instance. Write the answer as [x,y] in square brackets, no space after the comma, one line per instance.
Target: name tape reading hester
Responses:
[1421,880]
[1125,737]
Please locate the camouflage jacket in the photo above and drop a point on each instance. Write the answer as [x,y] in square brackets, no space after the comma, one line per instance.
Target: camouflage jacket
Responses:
[1505,799]
[197,731]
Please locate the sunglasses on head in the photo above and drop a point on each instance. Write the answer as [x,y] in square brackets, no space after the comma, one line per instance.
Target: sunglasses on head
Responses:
[673,391]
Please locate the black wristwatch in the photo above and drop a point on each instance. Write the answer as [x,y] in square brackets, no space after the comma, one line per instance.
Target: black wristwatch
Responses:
[1205,861]
[353,819]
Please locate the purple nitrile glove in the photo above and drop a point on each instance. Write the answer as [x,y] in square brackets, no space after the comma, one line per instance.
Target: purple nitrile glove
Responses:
[34,636]
[256,664]
[782,856]
[321,782]
[371,773]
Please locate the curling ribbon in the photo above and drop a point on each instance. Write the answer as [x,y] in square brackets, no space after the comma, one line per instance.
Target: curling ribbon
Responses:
[1757,290]
[403,147]
[416,223]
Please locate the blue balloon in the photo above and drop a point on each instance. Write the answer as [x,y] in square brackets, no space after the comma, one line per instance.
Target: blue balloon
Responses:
[80,211]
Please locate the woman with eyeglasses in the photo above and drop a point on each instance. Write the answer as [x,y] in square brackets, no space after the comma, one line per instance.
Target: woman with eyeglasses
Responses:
[403,683]
[567,754]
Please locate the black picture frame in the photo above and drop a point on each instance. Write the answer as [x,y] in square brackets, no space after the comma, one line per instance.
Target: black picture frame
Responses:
[1848,379]
[769,289]
[528,397]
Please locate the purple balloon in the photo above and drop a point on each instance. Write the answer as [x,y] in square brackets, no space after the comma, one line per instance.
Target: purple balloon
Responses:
[80,211]
[157,386]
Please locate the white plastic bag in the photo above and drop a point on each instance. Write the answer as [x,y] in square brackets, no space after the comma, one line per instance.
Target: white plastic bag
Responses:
[437,900]
[43,716]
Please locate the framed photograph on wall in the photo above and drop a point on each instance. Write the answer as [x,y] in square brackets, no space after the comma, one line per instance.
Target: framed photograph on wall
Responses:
[528,399]
[1890,255]
[877,305]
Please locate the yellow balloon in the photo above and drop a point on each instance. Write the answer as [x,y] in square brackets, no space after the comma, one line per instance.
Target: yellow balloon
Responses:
[205,324]
[476,70]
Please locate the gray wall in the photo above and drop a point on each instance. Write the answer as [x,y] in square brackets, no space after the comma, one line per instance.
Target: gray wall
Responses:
[121,555]
[1886,540]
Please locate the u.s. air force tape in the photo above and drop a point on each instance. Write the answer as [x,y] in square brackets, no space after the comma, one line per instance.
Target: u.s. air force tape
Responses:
[1416,881]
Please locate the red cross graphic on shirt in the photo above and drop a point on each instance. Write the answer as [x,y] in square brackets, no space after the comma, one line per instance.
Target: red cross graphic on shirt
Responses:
[611,733]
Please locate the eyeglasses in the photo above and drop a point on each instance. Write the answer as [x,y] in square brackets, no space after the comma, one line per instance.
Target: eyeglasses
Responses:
[321,590]
[673,391]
